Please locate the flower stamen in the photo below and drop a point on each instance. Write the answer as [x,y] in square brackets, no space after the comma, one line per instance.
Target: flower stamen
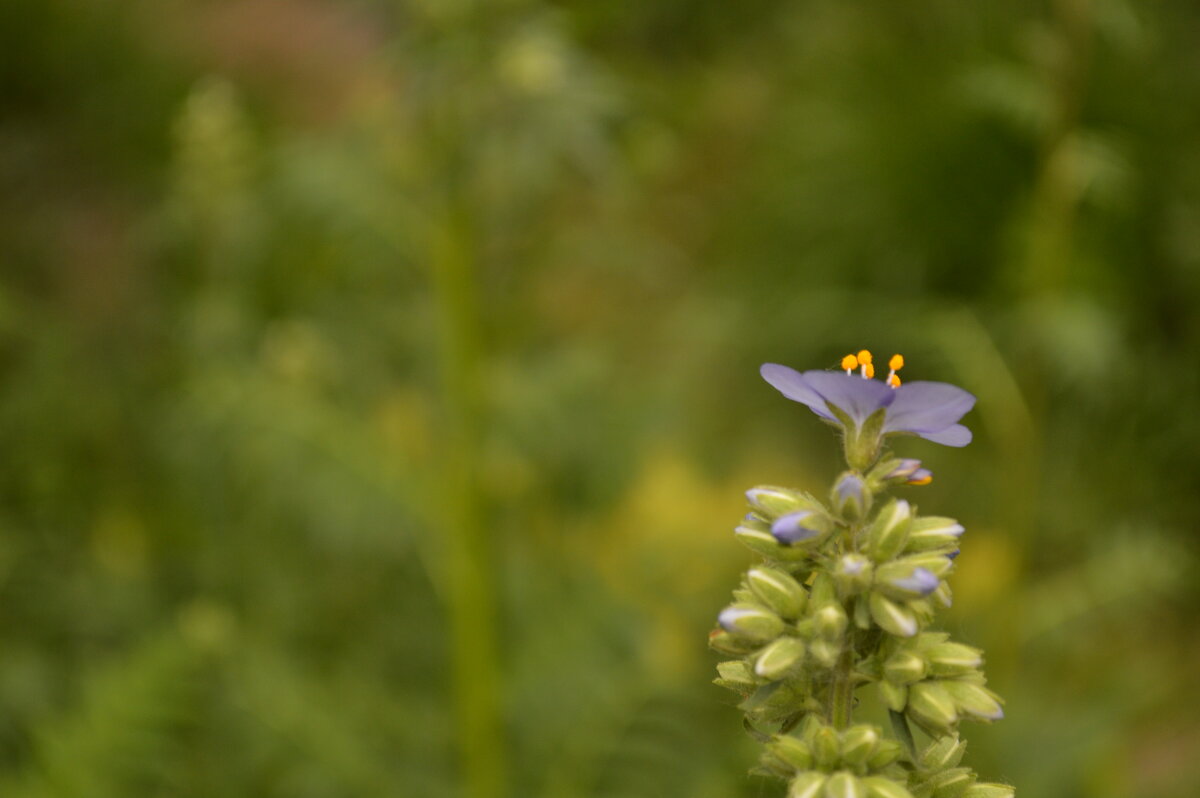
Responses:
[849,363]
[864,360]
[894,365]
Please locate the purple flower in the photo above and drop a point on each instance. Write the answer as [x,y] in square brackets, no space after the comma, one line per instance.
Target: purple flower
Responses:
[929,410]
[790,528]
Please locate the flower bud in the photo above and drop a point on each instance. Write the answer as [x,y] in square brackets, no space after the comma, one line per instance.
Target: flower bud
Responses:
[891,617]
[779,658]
[951,783]
[974,699]
[900,581]
[736,675]
[825,653]
[953,659]
[858,743]
[825,747]
[894,696]
[931,707]
[751,622]
[792,751]
[890,530]
[887,752]
[850,496]
[883,787]
[759,541]
[933,532]
[988,790]
[801,526]
[830,622]
[844,785]
[943,753]
[809,784]
[773,502]
[722,641]
[852,574]
[777,590]
[904,667]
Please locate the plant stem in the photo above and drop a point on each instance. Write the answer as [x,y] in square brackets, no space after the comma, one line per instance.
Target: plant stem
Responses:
[841,690]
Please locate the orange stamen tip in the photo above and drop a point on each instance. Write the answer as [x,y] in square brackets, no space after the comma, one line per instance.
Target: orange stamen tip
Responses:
[849,362]
[921,481]
[868,370]
[864,357]
[896,363]
[893,381]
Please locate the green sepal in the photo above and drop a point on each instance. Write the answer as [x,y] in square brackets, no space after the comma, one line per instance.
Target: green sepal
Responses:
[831,622]
[905,667]
[858,743]
[778,590]
[765,545]
[753,622]
[883,787]
[806,785]
[953,659]
[725,643]
[736,675]
[893,618]
[826,748]
[943,753]
[844,785]
[779,658]
[989,790]
[793,752]
[974,699]
[931,707]
[825,652]
[885,753]
[889,530]
[951,783]
[894,696]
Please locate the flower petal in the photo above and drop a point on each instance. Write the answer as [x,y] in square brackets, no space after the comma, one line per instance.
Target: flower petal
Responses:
[922,407]
[853,395]
[955,435]
[791,384]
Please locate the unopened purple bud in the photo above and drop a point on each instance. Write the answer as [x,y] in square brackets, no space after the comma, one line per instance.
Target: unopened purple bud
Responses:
[922,476]
[791,528]
[850,495]
[905,469]
[922,582]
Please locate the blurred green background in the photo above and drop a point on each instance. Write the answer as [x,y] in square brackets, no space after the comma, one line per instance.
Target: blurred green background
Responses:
[378,380]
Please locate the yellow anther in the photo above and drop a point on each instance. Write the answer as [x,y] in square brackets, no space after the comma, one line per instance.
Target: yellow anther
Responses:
[893,381]
[896,363]
[868,370]
[849,362]
[925,480]
[864,357]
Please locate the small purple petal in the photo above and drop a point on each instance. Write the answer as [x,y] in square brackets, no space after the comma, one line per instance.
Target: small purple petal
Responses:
[923,407]
[729,617]
[850,486]
[790,528]
[853,395]
[853,565]
[955,435]
[905,469]
[922,582]
[791,384]
[921,476]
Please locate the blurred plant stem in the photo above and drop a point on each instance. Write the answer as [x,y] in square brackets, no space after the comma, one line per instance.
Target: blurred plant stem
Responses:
[468,578]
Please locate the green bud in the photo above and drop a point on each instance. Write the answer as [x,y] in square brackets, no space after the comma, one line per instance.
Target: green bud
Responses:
[779,658]
[764,544]
[942,595]
[795,753]
[773,502]
[892,617]
[904,667]
[825,653]
[882,787]
[736,675]
[825,747]
[889,530]
[939,564]
[951,783]
[862,613]
[725,643]
[895,696]
[943,753]
[858,743]
[975,700]
[751,622]
[806,785]
[822,590]
[933,532]
[778,590]
[831,622]
[989,790]
[953,659]
[932,707]
[852,574]
[850,497]
[844,785]
[887,752]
